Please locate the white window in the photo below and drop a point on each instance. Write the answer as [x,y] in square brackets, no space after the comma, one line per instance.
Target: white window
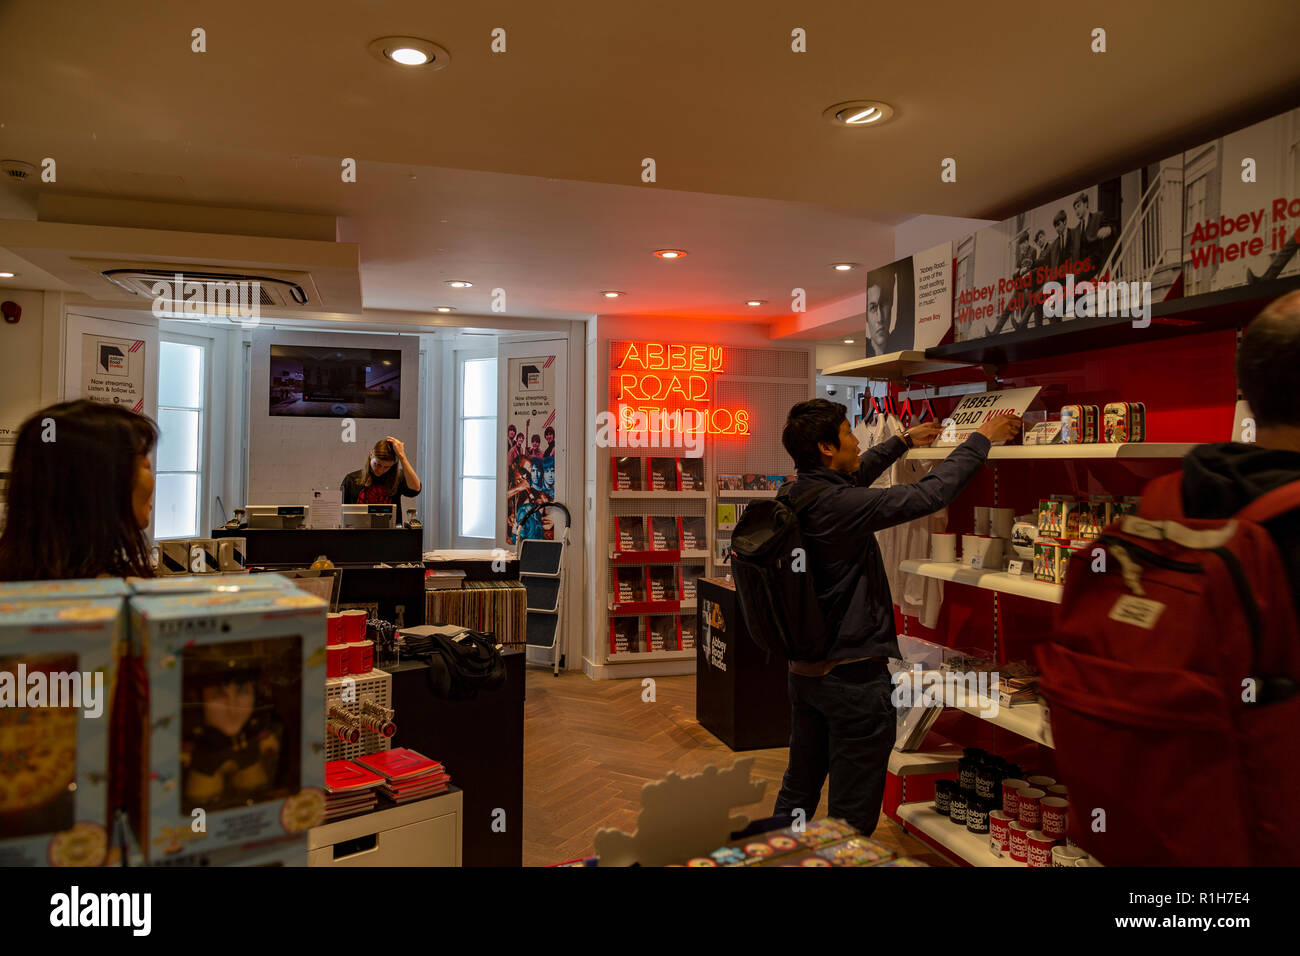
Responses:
[182,389]
[475,504]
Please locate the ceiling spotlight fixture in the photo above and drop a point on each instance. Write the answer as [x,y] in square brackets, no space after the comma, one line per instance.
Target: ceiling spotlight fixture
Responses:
[671,253]
[444,308]
[859,113]
[409,51]
[848,341]
[843,266]
[756,302]
[458,283]
[612,294]
[7,275]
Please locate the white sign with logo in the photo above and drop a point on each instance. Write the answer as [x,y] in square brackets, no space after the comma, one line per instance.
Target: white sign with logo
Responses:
[976,409]
[113,371]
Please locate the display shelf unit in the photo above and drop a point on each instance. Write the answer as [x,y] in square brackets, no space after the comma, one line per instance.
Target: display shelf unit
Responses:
[893,367]
[652,608]
[1174,317]
[1127,450]
[903,763]
[686,655]
[656,557]
[752,493]
[671,495]
[1023,585]
[923,819]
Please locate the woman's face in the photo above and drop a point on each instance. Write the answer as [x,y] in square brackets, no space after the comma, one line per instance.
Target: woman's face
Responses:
[142,491]
[379,466]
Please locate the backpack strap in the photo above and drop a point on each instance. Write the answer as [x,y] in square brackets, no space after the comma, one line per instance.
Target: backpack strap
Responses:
[1162,498]
[1272,504]
[803,501]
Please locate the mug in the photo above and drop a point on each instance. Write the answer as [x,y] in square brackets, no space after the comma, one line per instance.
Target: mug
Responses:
[1039,852]
[1067,856]
[982,520]
[361,656]
[1041,782]
[1011,789]
[1055,816]
[354,625]
[999,830]
[334,625]
[943,547]
[1031,808]
[336,660]
[969,547]
[1001,521]
[1018,841]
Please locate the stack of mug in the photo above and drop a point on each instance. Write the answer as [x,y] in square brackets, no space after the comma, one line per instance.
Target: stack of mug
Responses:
[987,547]
[347,651]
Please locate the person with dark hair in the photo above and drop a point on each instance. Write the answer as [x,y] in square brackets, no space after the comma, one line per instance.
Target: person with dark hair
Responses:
[386,479]
[80,495]
[1220,479]
[842,721]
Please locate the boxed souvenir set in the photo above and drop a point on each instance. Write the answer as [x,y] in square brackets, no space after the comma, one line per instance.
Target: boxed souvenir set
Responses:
[56,705]
[236,720]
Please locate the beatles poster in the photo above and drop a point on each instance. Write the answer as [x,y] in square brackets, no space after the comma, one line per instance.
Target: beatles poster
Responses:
[909,302]
[530,436]
[1242,216]
[1124,230]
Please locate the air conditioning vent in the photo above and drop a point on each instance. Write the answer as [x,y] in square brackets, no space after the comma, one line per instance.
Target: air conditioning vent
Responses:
[217,286]
[17,171]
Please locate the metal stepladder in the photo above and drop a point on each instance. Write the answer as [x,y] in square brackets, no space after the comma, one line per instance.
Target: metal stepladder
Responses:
[542,571]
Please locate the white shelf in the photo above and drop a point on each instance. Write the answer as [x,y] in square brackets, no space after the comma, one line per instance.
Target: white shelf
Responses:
[1023,585]
[752,493]
[1023,719]
[957,840]
[1130,450]
[894,367]
[628,656]
[686,606]
[659,494]
[693,555]
[922,761]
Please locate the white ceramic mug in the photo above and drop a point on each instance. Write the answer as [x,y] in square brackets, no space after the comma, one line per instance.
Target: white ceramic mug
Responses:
[982,520]
[1067,856]
[943,547]
[1001,520]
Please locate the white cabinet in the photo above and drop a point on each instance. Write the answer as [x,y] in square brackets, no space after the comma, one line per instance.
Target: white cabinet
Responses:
[423,833]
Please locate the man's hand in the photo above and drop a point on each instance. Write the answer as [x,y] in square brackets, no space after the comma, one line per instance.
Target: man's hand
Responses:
[924,434]
[1001,427]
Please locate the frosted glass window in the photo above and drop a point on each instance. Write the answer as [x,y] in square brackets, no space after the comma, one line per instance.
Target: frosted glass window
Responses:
[176,499]
[180,375]
[480,447]
[479,388]
[478,507]
[178,440]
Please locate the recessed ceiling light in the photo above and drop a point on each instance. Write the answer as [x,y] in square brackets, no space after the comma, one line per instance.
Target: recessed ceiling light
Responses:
[7,275]
[612,294]
[458,283]
[671,253]
[444,308]
[843,266]
[756,302]
[409,51]
[859,113]
[848,341]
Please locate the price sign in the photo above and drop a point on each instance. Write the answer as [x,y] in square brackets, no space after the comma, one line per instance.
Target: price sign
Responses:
[1016,567]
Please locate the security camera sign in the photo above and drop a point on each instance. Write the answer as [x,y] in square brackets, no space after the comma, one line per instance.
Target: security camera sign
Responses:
[974,410]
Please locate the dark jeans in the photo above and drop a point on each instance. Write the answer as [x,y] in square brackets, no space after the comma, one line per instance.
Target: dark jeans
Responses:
[842,724]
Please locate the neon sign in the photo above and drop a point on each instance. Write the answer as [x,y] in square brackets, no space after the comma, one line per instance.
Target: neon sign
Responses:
[665,389]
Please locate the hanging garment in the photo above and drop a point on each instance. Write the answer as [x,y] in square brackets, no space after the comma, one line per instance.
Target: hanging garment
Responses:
[917,596]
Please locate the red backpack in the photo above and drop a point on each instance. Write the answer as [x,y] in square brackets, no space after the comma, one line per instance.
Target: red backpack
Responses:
[1145,677]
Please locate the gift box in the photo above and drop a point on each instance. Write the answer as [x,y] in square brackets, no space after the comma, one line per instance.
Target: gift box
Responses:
[236,719]
[59,664]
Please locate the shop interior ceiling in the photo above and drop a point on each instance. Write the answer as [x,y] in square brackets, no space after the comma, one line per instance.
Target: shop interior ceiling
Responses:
[521,170]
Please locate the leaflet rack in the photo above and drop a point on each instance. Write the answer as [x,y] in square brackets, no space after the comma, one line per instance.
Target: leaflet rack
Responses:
[542,572]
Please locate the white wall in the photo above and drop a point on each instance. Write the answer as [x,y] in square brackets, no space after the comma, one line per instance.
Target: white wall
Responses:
[288,456]
[925,232]
[21,384]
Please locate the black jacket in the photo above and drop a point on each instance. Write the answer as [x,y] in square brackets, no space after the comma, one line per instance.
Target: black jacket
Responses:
[1221,479]
[839,531]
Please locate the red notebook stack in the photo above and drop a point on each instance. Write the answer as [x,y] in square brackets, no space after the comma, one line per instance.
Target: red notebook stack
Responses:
[407,775]
[349,789]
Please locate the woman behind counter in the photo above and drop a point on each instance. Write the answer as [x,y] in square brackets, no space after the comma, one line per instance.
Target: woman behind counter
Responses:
[387,478]
[80,495]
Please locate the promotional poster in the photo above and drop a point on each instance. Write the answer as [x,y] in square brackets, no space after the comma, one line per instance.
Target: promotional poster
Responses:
[909,302]
[530,447]
[1123,230]
[1242,215]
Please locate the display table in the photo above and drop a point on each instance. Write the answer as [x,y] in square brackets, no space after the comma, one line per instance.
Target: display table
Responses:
[420,833]
[740,695]
[481,743]
[498,608]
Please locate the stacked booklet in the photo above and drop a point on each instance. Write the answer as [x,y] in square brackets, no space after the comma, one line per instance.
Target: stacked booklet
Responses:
[349,789]
[407,775]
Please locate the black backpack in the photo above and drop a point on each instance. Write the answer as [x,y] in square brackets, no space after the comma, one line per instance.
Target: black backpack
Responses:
[459,667]
[779,606]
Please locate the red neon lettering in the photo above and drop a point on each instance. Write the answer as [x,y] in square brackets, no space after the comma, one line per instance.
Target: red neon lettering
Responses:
[654,355]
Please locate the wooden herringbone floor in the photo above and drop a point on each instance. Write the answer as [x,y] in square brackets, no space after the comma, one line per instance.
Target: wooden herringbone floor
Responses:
[589,746]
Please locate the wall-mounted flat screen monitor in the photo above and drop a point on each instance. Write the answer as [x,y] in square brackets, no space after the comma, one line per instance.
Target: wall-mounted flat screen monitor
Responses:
[313,382]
